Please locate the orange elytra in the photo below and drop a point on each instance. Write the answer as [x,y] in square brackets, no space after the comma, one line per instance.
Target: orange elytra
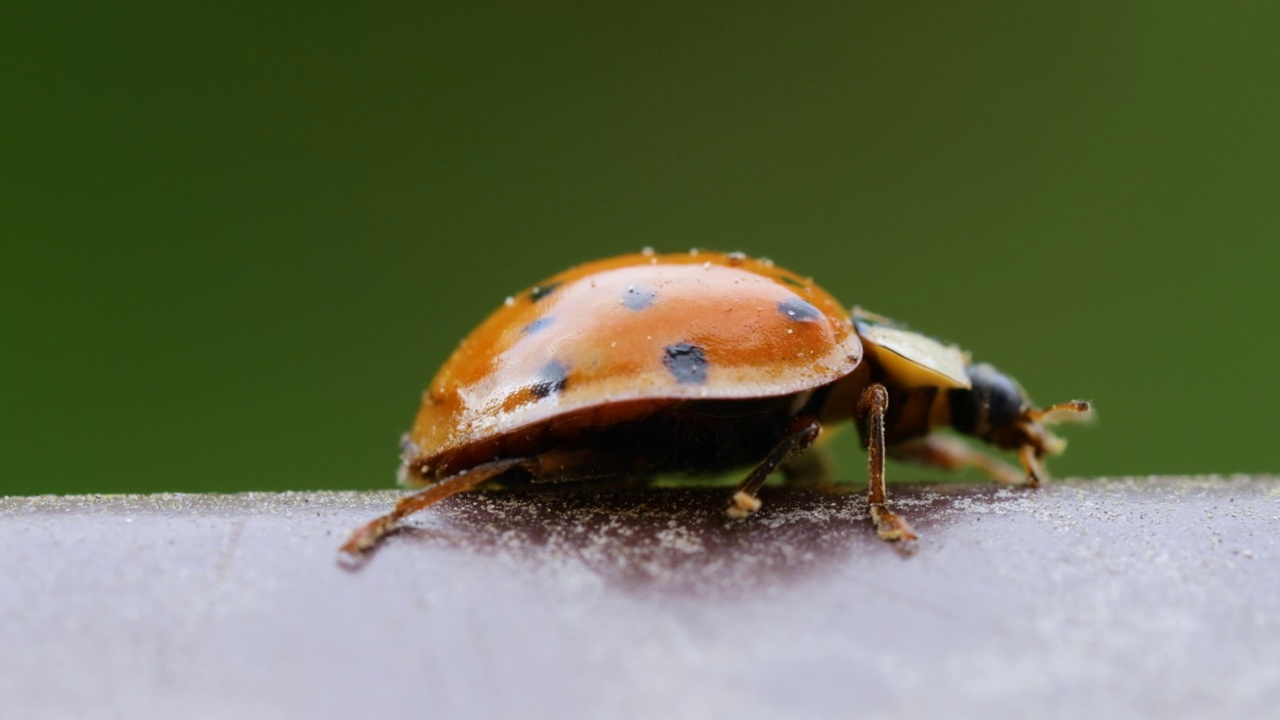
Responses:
[701,362]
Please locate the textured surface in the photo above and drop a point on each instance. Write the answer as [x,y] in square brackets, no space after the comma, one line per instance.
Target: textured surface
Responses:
[1155,597]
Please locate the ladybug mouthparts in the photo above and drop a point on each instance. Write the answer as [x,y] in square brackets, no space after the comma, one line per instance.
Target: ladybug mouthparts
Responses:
[1033,441]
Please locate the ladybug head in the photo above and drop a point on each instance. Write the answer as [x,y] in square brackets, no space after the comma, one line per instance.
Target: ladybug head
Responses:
[995,409]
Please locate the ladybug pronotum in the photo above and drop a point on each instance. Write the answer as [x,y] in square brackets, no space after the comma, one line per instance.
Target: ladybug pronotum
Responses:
[702,362]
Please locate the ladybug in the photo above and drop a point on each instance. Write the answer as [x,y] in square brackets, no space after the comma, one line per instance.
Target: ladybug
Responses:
[702,362]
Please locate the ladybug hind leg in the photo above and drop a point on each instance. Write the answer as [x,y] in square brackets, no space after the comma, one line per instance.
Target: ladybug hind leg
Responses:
[564,464]
[575,463]
[800,435]
[371,534]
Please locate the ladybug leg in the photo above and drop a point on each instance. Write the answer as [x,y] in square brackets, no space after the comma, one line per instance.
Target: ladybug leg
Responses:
[949,453]
[813,469]
[871,408]
[1027,456]
[368,536]
[799,437]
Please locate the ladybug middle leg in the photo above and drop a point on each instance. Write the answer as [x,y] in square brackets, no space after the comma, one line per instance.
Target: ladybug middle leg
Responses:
[871,410]
[813,469]
[800,435]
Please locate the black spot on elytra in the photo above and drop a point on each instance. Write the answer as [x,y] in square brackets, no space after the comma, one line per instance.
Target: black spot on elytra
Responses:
[799,310]
[551,379]
[686,362]
[540,291]
[638,298]
[540,324]
[792,281]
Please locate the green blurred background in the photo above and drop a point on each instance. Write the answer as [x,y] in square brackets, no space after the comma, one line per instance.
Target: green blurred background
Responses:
[239,238]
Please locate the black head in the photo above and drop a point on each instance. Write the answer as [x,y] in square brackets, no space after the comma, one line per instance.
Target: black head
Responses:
[994,400]
[996,410]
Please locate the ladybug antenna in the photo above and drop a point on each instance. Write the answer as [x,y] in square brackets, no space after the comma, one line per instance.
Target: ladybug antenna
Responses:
[1070,411]
[1032,421]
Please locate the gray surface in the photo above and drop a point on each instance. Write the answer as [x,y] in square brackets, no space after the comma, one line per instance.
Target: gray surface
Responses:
[1152,597]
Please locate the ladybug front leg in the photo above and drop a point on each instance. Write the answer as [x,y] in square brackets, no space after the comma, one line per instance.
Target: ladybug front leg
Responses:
[368,536]
[871,409]
[800,435]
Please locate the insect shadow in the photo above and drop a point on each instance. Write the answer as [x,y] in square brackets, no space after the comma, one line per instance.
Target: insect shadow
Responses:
[666,539]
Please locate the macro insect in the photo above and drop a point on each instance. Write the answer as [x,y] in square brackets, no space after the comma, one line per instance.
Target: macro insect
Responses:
[702,362]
